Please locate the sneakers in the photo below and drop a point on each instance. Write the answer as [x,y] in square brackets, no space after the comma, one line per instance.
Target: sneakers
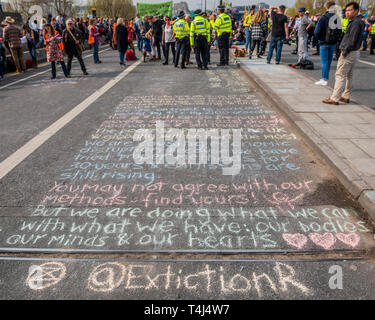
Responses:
[321,82]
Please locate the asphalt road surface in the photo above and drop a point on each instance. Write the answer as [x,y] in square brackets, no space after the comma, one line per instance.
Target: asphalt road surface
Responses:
[256,216]
[363,87]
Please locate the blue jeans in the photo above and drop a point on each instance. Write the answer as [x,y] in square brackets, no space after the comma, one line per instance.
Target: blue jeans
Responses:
[276,42]
[326,56]
[139,41]
[96,51]
[248,39]
[122,56]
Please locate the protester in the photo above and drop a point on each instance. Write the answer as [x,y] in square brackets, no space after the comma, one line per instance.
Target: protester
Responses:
[12,38]
[327,46]
[350,45]
[247,22]
[279,32]
[122,40]
[94,39]
[137,29]
[157,31]
[258,29]
[72,46]
[169,41]
[32,38]
[372,35]
[147,42]
[53,48]
[2,52]
[303,34]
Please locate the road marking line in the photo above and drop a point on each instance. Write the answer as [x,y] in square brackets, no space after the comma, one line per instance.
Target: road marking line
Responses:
[366,62]
[21,154]
[39,73]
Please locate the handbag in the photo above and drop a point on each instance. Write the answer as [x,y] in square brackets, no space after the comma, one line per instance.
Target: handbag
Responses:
[79,45]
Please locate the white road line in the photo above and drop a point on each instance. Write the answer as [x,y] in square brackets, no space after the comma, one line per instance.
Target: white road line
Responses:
[366,62]
[21,154]
[39,73]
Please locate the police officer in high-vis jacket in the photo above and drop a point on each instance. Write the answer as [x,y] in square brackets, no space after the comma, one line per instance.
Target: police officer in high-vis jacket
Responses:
[181,31]
[199,39]
[223,27]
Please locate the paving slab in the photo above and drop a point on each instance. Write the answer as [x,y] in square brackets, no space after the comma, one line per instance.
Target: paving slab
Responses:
[332,127]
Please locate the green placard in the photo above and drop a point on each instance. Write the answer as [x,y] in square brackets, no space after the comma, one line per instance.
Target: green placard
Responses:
[155,9]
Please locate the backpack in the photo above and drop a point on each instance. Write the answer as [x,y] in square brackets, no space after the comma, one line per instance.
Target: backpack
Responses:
[307,65]
[130,55]
[333,33]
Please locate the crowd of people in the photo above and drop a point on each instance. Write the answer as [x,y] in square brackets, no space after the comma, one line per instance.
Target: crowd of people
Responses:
[198,32]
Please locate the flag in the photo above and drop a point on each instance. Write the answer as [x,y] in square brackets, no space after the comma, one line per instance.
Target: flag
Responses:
[155,9]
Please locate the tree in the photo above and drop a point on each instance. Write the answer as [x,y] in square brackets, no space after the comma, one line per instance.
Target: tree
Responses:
[113,8]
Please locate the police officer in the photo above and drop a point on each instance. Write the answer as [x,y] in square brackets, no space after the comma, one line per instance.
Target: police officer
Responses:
[199,39]
[223,27]
[372,35]
[181,32]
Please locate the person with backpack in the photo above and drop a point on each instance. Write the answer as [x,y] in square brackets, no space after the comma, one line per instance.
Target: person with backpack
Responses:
[350,45]
[328,34]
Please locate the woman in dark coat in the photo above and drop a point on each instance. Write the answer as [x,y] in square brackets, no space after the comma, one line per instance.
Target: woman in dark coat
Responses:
[122,40]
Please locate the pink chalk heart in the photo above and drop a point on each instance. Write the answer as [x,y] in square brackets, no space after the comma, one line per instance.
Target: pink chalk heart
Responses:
[351,239]
[297,240]
[326,240]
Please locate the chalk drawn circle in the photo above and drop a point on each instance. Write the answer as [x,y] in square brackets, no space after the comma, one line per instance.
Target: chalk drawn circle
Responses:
[106,277]
[45,275]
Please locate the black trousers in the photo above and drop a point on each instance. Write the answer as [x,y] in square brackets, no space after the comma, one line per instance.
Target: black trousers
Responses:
[257,43]
[80,60]
[224,48]
[182,47]
[201,51]
[372,49]
[63,66]
[171,45]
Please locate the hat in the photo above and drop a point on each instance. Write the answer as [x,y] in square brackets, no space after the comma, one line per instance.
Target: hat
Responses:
[301,10]
[221,7]
[204,14]
[198,12]
[9,20]
[181,14]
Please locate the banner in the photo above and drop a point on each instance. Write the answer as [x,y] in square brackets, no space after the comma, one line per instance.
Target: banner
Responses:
[155,9]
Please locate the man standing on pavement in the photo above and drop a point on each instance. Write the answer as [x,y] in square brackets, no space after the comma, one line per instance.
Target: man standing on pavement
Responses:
[350,45]
[181,32]
[157,31]
[72,47]
[223,27]
[199,39]
[328,34]
[303,35]
[280,31]
[12,39]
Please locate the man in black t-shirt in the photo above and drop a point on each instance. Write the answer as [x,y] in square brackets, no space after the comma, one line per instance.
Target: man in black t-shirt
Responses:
[157,31]
[279,32]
